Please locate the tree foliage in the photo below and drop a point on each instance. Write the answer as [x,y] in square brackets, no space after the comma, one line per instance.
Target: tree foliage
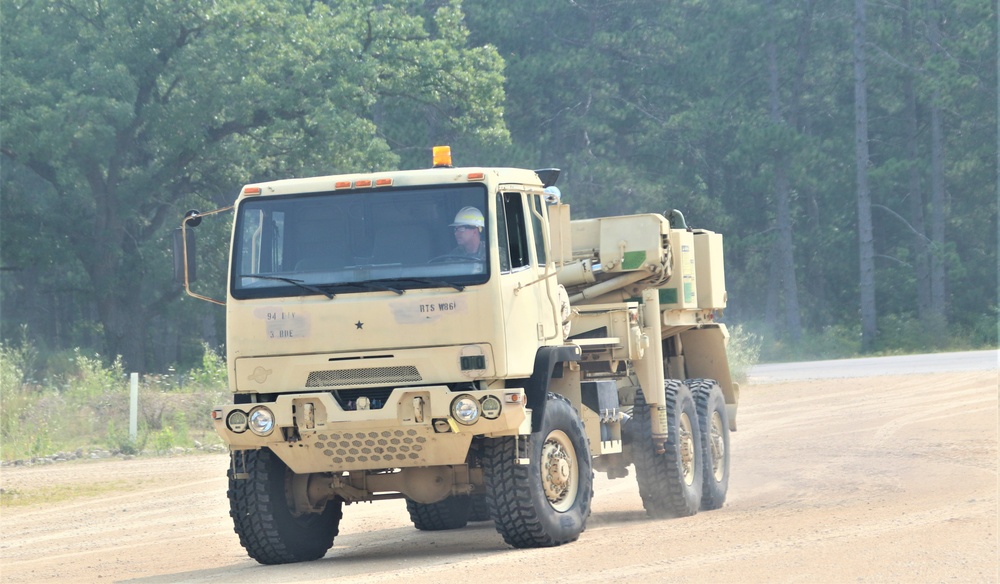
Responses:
[121,114]
[711,106]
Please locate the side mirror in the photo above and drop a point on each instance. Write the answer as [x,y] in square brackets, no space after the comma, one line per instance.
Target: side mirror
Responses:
[185,265]
[193,218]
[548,176]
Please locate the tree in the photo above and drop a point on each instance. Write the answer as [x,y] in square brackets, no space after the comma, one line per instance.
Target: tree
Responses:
[869,330]
[129,110]
[931,63]
[783,264]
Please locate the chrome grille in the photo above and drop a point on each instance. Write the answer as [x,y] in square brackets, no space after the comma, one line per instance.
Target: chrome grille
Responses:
[365,376]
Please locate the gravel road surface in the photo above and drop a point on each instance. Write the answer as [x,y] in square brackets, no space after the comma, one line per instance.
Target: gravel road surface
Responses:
[863,479]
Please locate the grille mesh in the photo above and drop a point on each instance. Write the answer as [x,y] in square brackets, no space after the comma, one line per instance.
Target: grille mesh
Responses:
[366,376]
[385,447]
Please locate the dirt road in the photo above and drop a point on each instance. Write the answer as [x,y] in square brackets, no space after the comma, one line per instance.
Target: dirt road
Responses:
[872,479]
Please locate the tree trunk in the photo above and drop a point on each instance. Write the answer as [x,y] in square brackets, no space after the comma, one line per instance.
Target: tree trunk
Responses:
[124,322]
[920,248]
[939,210]
[866,237]
[772,306]
[112,260]
[784,252]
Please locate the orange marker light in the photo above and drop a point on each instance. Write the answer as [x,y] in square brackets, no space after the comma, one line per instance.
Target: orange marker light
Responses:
[342,184]
[363,183]
[251,191]
[383,182]
[476,176]
[442,156]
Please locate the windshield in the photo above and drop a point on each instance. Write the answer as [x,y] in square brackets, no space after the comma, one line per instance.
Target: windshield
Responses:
[333,243]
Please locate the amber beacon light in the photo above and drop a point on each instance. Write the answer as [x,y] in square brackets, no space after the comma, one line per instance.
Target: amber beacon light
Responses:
[442,156]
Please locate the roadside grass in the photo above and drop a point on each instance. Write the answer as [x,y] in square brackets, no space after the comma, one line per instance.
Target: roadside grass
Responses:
[82,403]
[897,336]
[60,493]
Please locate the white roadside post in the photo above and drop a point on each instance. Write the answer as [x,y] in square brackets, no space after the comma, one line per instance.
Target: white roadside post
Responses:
[133,409]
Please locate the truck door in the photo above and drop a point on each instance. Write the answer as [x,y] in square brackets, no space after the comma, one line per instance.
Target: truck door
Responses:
[527,313]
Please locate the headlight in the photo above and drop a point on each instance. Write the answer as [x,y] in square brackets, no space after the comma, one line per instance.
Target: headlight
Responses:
[465,409]
[237,421]
[261,421]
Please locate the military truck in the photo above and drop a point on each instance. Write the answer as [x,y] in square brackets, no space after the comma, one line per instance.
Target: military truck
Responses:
[452,337]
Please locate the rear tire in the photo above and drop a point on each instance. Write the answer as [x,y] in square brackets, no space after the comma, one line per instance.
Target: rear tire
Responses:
[670,482]
[450,513]
[714,424]
[264,517]
[480,508]
[545,502]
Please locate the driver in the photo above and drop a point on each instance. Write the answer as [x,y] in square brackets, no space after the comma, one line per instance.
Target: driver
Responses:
[468,228]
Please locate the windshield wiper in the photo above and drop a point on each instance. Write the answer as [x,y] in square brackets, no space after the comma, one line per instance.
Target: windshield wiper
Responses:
[377,286]
[293,282]
[367,285]
[428,281]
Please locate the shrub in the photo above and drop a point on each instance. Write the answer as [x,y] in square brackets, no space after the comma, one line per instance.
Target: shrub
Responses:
[121,441]
[213,373]
[743,351]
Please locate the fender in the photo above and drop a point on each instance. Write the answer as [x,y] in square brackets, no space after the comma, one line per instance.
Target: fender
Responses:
[548,364]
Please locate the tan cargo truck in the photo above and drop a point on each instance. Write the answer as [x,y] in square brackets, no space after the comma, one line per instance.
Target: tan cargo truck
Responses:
[450,336]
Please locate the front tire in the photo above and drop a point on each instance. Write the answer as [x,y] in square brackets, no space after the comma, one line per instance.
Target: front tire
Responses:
[264,516]
[545,502]
[670,482]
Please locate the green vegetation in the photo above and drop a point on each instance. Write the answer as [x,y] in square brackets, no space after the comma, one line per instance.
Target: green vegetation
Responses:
[743,352]
[898,336]
[88,406]
[120,115]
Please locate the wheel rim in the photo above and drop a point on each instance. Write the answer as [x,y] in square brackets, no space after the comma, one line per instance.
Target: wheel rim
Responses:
[560,473]
[687,448]
[718,447]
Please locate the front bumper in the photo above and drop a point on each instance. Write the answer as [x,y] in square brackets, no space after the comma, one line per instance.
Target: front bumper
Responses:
[313,433]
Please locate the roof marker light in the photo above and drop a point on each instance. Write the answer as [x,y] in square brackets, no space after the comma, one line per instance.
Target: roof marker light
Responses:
[367,182]
[251,190]
[476,176]
[342,184]
[383,182]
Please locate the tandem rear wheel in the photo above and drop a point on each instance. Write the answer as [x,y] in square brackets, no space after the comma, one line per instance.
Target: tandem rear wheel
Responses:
[669,472]
[690,470]
[453,512]
[713,423]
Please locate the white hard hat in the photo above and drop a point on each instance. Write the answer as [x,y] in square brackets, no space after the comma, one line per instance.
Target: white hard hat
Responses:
[470,216]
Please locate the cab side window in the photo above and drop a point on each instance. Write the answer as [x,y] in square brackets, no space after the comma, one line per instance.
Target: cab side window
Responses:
[503,247]
[538,226]
[513,232]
